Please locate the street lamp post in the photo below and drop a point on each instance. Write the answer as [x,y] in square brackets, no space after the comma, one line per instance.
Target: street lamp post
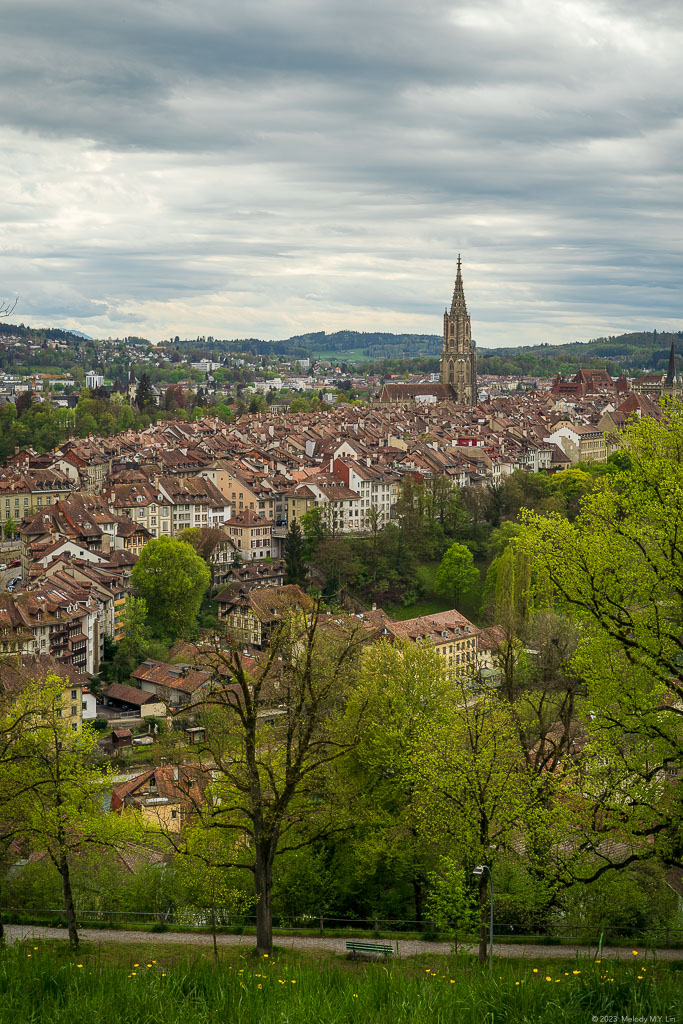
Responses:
[478,872]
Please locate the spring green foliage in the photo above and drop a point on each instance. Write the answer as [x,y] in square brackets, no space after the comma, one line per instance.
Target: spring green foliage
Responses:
[134,645]
[203,882]
[269,792]
[618,571]
[9,528]
[456,575]
[50,791]
[172,578]
[402,686]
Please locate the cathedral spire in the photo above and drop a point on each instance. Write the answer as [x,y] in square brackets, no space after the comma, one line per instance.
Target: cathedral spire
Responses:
[458,304]
[671,371]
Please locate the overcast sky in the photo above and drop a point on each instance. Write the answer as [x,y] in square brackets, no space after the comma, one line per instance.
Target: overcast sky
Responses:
[269,167]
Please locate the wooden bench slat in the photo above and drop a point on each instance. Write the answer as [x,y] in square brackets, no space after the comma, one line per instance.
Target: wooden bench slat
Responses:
[369,947]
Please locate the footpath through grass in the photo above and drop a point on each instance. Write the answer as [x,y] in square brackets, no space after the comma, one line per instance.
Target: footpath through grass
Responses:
[148,984]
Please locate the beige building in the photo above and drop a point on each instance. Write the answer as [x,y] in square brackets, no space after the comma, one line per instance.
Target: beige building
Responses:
[165,797]
[251,615]
[251,534]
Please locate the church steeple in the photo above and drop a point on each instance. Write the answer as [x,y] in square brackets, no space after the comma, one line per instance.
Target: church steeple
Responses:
[458,305]
[671,371]
[458,370]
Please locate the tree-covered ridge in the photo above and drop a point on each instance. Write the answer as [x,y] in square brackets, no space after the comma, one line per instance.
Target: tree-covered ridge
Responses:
[377,351]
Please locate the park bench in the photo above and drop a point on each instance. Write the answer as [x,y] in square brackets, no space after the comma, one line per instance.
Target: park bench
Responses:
[356,946]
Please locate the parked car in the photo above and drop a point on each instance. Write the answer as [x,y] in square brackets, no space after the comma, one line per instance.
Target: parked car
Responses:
[14,564]
[3,567]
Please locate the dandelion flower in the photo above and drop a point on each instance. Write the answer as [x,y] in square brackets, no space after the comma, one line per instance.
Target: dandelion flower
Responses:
[259,985]
[640,977]
[355,995]
[28,954]
[535,970]
[136,965]
[516,983]
[576,972]
[635,952]
[35,947]
[293,981]
[163,975]
[265,956]
[452,981]
[79,965]
[133,973]
[149,965]
[548,978]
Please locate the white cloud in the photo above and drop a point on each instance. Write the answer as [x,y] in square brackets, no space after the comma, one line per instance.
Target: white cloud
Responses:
[255,168]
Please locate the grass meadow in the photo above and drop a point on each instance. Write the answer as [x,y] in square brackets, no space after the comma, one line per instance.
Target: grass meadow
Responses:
[116,983]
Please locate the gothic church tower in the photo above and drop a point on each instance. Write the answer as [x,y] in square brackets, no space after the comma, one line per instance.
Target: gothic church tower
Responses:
[458,371]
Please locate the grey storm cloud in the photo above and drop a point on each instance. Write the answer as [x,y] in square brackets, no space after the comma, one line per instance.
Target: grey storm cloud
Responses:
[261,167]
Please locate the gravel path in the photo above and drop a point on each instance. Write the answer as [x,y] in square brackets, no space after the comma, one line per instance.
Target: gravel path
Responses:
[406,947]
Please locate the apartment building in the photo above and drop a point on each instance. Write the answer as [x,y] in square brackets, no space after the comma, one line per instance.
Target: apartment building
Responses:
[251,534]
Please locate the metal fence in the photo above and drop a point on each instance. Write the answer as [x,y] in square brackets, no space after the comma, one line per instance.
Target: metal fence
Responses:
[196,917]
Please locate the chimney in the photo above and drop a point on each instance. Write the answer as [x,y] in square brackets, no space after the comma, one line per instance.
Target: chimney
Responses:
[175,773]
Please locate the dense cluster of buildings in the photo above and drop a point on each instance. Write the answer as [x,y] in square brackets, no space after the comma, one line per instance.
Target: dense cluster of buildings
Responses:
[82,512]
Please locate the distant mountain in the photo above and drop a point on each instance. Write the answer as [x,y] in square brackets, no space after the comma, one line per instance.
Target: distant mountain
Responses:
[80,334]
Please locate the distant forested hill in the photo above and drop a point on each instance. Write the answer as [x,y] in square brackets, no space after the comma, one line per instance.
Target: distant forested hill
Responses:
[376,351]
[625,353]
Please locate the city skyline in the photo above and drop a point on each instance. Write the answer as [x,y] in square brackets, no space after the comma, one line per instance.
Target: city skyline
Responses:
[260,170]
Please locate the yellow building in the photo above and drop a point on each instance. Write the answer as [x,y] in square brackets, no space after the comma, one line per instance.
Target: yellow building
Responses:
[165,797]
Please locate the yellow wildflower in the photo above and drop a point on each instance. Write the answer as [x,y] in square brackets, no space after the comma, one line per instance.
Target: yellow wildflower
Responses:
[548,978]
[259,985]
[635,952]
[535,970]
[576,972]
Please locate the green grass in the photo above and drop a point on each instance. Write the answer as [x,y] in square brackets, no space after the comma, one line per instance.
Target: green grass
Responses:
[152,983]
[432,602]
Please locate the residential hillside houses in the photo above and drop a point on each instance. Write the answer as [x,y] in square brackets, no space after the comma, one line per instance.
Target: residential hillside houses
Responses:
[82,513]
[165,797]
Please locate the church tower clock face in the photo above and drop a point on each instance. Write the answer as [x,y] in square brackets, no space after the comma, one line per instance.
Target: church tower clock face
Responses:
[459,353]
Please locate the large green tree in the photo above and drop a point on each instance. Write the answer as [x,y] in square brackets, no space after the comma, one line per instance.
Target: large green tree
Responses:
[476,792]
[51,790]
[269,793]
[172,578]
[457,574]
[618,571]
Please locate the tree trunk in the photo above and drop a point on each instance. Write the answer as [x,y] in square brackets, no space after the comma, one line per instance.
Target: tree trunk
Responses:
[68,901]
[483,921]
[417,893]
[213,931]
[263,877]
